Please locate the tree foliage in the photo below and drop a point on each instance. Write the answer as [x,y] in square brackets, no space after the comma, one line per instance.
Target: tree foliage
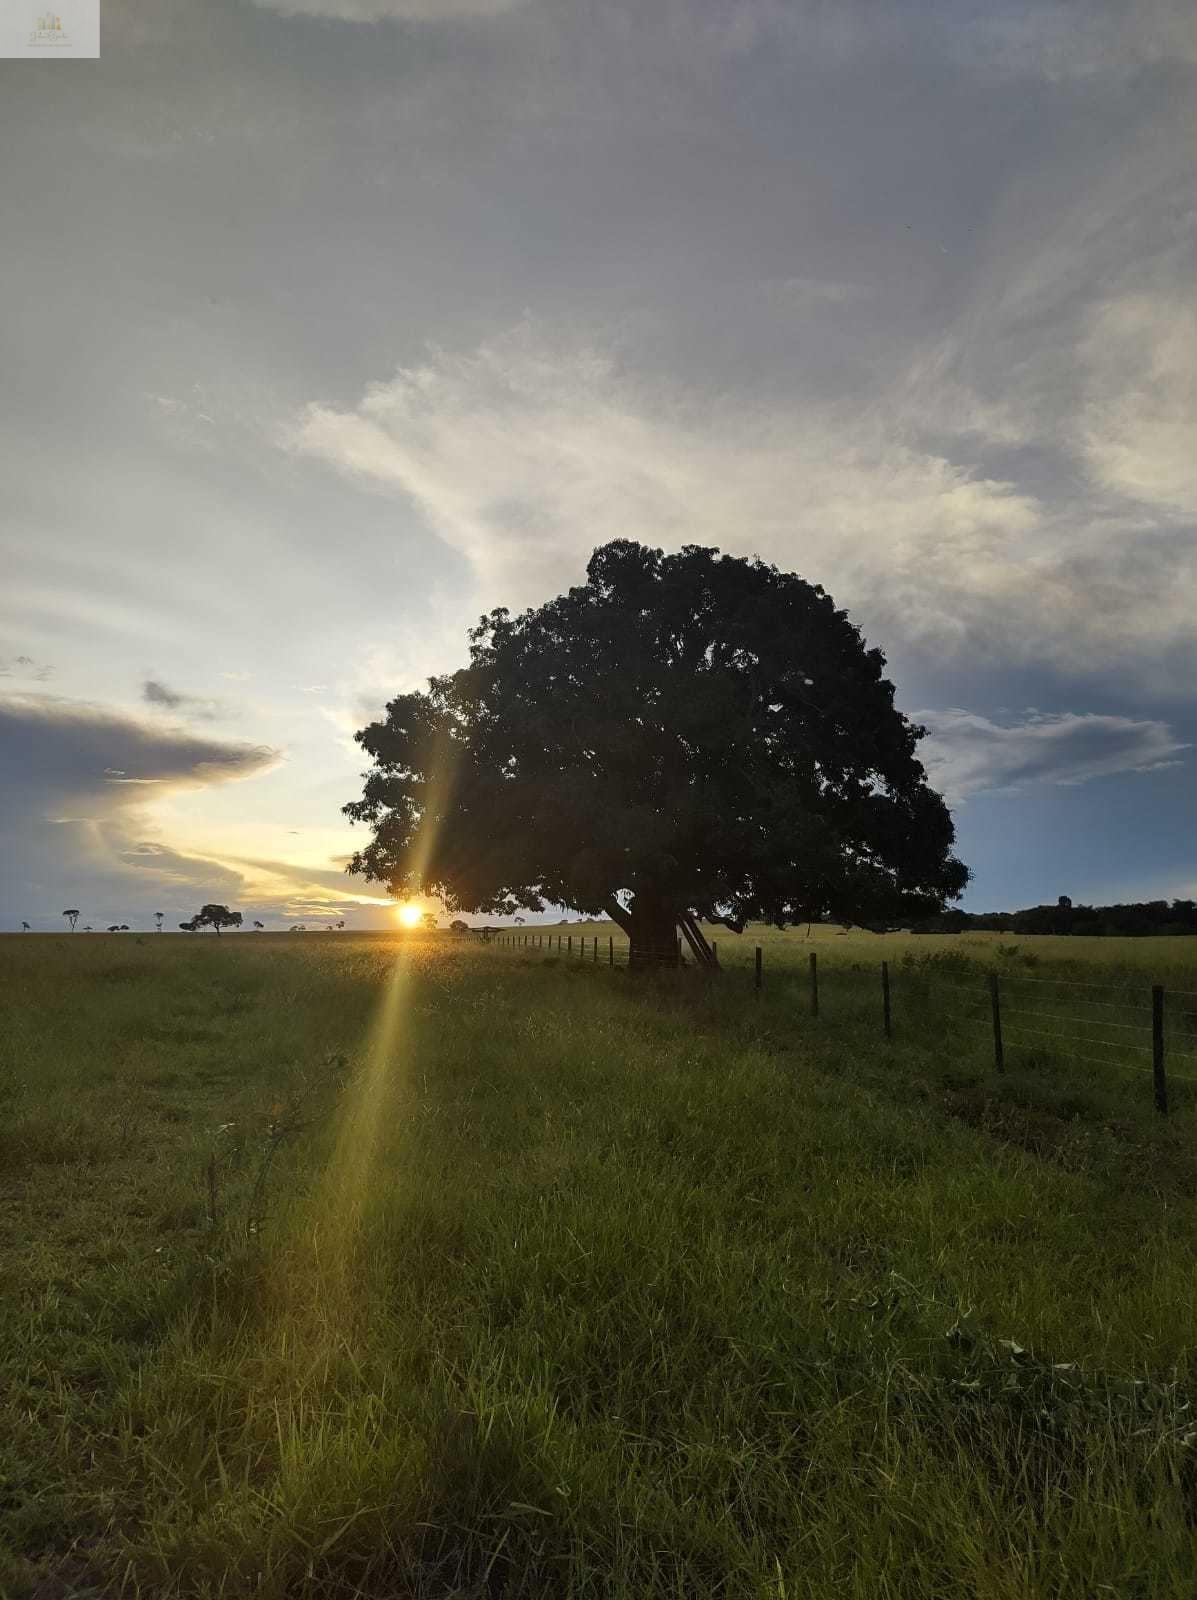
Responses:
[216,916]
[692,733]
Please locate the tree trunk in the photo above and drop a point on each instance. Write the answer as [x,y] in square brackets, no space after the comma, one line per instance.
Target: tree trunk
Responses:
[651,928]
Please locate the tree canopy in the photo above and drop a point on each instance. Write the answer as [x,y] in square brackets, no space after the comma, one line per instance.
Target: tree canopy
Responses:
[216,916]
[682,737]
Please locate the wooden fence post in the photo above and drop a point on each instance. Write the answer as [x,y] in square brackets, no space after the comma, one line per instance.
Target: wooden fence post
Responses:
[885,999]
[757,974]
[995,1006]
[1157,1048]
[596,947]
[610,949]
[569,947]
[814,984]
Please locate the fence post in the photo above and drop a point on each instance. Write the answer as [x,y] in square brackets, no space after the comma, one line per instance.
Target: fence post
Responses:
[596,947]
[569,947]
[995,1005]
[1157,1048]
[757,974]
[885,999]
[610,949]
[714,953]
[679,949]
[814,984]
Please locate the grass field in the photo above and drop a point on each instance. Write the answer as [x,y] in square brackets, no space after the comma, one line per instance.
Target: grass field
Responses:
[349,1266]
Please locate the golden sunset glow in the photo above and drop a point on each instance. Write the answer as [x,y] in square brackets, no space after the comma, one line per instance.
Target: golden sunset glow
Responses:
[408,915]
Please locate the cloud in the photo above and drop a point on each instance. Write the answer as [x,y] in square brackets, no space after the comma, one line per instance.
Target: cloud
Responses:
[390,10]
[527,452]
[163,698]
[1140,420]
[965,753]
[24,667]
[157,694]
[77,787]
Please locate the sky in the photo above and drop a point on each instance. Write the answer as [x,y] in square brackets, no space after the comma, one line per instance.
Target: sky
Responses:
[327,325]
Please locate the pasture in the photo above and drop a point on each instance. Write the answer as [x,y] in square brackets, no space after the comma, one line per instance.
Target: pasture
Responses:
[370,1266]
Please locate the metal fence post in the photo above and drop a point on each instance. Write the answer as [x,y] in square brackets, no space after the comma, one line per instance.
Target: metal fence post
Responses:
[885,999]
[995,1005]
[814,984]
[1157,1049]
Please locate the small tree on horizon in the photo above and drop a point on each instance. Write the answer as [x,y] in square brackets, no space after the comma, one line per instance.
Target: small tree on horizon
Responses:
[159,916]
[72,917]
[218,917]
[25,928]
[681,738]
[258,926]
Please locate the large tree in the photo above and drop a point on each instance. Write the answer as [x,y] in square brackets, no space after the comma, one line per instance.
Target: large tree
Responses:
[683,738]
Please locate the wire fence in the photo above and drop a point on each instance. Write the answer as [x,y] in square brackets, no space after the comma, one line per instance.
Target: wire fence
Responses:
[1118,1026]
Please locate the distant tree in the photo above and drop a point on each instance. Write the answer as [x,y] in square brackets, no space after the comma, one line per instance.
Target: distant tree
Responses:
[158,918]
[519,921]
[72,917]
[299,927]
[114,927]
[124,928]
[428,921]
[683,738]
[458,926]
[25,928]
[258,926]
[339,924]
[87,928]
[190,927]
[218,917]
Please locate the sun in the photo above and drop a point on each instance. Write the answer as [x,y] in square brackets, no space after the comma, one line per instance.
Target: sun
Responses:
[408,915]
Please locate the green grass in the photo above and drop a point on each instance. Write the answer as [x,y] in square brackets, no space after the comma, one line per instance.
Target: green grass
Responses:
[531,1279]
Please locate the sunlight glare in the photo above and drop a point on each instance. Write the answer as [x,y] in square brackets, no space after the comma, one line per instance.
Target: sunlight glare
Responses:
[408,915]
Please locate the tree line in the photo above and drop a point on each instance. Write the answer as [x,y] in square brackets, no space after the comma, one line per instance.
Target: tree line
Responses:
[1133,920]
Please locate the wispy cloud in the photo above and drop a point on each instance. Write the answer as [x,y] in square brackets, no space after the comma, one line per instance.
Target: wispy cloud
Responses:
[162,697]
[969,754]
[24,667]
[528,451]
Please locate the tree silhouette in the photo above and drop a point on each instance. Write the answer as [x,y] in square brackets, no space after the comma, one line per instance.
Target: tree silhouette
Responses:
[258,926]
[340,923]
[190,927]
[218,917]
[25,928]
[72,917]
[114,927]
[682,737]
[87,927]
[158,918]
